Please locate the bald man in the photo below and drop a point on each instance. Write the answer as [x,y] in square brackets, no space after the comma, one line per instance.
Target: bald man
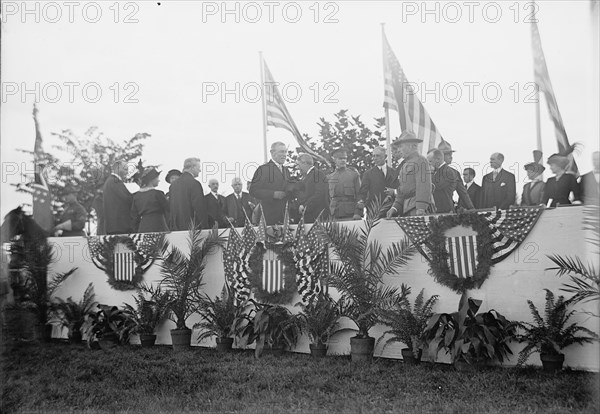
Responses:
[215,205]
[498,188]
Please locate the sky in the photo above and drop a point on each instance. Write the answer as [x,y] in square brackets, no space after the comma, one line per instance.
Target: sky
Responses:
[187,73]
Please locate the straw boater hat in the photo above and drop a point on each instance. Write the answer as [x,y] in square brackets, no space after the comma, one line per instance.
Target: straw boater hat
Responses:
[445,147]
[172,173]
[408,136]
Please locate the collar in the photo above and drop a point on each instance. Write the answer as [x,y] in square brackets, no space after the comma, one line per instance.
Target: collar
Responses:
[498,170]
[115,175]
[537,179]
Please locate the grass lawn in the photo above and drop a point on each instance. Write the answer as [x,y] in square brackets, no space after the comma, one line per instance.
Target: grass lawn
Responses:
[65,378]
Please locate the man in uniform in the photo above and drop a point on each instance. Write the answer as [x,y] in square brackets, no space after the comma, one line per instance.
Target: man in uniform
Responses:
[414,195]
[73,219]
[464,200]
[344,188]
[380,182]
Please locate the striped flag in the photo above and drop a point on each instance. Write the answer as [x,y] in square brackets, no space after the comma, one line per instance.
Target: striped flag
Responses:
[272,277]
[124,269]
[399,96]
[462,255]
[42,198]
[278,115]
[542,79]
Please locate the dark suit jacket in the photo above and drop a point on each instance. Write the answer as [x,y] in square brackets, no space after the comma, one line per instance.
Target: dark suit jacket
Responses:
[500,193]
[474,192]
[186,200]
[589,189]
[314,195]
[266,180]
[373,184]
[444,181]
[560,190]
[464,199]
[215,210]
[117,207]
[235,209]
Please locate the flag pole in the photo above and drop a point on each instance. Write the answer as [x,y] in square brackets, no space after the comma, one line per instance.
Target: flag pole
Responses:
[388,138]
[538,123]
[264,104]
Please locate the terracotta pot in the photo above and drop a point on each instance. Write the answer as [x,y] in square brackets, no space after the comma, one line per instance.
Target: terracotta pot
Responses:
[552,362]
[224,344]
[181,339]
[147,340]
[409,357]
[361,349]
[318,350]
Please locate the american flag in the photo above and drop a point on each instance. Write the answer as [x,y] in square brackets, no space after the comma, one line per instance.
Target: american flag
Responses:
[278,115]
[262,227]
[42,198]
[235,264]
[309,255]
[399,96]
[462,255]
[542,79]
[508,229]
[287,235]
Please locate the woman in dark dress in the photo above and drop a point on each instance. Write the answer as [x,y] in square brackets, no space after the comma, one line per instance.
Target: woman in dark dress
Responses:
[559,188]
[150,207]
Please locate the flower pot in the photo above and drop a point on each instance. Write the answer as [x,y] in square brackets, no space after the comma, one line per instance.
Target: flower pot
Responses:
[224,344]
[409,357]
[147,340]
[108,341]
[552,362]
[361,349]
[318,350]
[181,339]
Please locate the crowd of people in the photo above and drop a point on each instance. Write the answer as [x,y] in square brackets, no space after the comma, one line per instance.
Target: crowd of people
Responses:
[419,185]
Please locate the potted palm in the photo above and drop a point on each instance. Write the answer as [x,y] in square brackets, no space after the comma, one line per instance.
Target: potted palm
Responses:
[319,317]
[407,325]
[147,314]
[472,339]
[183,279]
[272,327]
[358,277]
[550,334]
[107,327]
[72,314]
[218,318]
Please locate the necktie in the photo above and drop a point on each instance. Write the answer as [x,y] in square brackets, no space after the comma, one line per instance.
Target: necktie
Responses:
[494,175]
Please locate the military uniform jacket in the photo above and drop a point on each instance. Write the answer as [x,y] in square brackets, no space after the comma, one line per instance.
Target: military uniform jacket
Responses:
[344,187]
[414,186]
[78,216]
[117,207]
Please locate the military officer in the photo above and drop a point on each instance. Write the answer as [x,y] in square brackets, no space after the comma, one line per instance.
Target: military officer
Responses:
[414,196]
[73,219]
[344,188]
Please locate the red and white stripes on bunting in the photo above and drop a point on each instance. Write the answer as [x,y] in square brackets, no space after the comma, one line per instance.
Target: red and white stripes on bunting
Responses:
[462,255]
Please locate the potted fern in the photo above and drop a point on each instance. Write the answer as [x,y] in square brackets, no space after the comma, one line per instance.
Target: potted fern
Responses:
[319,318]
[147,314]
[472,339]
[72,314]
[183,279]
[358,277]
[551,334]
[107,327]
[407,325]
[218,318]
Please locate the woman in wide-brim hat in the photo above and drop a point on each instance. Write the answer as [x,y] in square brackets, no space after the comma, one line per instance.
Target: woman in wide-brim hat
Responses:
[150,207]
[559,188]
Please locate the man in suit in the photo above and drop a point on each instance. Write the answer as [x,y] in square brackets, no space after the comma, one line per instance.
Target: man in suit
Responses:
[312,199]
[533,191]
[117,201]
[473,189]
[498,188]
[238,205]
[379,182]
[414,195]
[344,185]
[215,205]
[271,185]
[186,198]
[444,182]
[464,200]
[590,183]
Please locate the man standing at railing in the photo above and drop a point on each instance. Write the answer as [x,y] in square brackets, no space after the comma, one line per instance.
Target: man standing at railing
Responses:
[414,196]
[498,188]
[117,201]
